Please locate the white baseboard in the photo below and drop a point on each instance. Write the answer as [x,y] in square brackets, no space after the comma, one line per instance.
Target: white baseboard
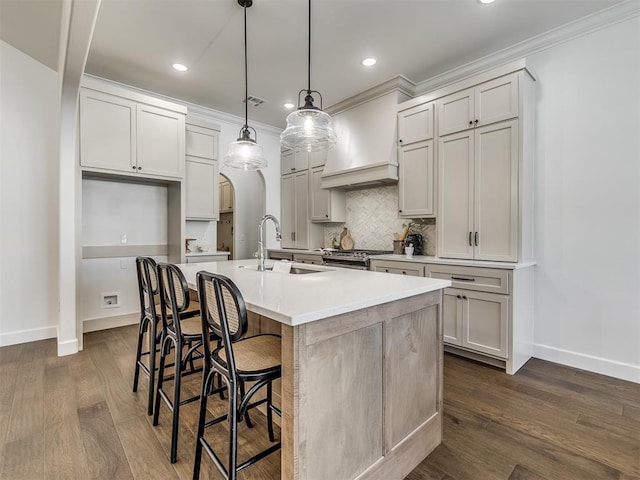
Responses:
[29,335]
[68,348]
[93,325]
[604,366]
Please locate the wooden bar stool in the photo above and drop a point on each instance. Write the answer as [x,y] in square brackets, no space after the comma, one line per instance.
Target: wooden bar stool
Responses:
[237,360]
[149,320]
[182,333]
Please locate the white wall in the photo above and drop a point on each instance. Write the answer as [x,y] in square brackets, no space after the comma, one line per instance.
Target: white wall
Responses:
[29,112]
[588,202]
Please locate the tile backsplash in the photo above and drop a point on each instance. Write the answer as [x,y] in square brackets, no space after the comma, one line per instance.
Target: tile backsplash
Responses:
[372,219]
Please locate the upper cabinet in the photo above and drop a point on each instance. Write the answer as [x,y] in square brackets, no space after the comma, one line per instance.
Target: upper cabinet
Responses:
[291,161]
[131,134]
[416,197]
[201,173]
[487,103]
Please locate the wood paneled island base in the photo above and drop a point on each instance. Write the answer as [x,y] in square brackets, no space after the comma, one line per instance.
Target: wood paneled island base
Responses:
[362,391]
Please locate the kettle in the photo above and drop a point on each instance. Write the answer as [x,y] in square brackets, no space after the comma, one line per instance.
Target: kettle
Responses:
[414,239]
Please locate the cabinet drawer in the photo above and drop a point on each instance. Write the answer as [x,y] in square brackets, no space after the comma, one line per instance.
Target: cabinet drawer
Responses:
[310,259]
[401,268]
[280,255]
[473,278]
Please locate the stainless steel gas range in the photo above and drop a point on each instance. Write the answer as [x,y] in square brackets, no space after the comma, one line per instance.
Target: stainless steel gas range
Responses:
[355,259]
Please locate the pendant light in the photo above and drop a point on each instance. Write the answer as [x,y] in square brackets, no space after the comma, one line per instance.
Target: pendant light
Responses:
[308,128]
[245,153]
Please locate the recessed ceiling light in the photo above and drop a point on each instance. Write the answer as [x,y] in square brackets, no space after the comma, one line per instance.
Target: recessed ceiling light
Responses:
[289,105]
[487,1]
[369,61]
[180,67]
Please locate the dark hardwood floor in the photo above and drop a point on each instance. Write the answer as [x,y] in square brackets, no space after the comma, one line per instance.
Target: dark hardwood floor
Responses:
[75,417]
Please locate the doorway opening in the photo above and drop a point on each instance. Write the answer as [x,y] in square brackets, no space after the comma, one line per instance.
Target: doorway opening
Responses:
[225,230]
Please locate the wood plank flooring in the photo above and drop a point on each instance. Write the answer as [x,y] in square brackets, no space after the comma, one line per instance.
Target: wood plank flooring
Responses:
[76,417]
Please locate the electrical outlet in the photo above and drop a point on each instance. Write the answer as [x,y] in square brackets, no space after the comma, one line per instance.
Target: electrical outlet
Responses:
[123,239]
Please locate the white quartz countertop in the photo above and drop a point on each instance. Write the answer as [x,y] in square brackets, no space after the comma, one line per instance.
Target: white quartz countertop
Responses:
[316,251]
[298,299]
[205,254]
[454,261]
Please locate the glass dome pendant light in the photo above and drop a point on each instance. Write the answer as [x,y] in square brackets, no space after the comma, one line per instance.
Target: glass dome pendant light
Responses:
[245,153]
[308,128]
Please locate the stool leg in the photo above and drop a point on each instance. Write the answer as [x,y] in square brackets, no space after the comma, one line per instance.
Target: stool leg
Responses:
[233,431]
[270,413]
[176,401]
[136,373]
[152,365]
[204,393]
[246,414]
[156,409]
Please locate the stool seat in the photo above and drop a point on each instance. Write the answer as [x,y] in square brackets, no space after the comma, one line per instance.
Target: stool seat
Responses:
[253,355]
[191,326]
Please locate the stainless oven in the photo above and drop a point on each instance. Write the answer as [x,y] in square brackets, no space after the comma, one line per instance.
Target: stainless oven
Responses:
[354,259]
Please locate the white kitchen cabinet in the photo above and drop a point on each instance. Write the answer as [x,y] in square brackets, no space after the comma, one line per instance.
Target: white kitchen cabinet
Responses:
[291,161]
[201,195]
[416,188]
[296,227]
[201,173]
[415,124]
[489,102]
[478,193]
[121,135]
[452,317]
[226,197]
[326,205]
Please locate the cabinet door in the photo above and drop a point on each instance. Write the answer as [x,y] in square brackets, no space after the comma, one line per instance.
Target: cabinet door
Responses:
[317,159]
[455,195]
[201,142]
[496,192]
[301,235]
[496,100]
[201,178]
[486,322]
[287,162]
[160,142]
[455,112]
[226,197]
[401,268]
[416,185]
[288,220]
[452,310]
[320,198]
[301,161]
[309,259]
[415,124]
[107,131]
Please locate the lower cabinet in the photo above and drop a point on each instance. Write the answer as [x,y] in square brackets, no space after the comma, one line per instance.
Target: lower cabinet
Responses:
[476,320]
[277,255]
[487,312]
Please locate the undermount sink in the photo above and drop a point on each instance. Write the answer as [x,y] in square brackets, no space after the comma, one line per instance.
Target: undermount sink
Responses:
[293,271]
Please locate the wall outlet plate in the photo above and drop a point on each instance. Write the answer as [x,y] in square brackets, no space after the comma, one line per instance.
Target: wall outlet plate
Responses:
[110,300]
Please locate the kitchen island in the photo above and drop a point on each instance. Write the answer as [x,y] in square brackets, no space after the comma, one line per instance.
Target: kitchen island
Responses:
[361,366]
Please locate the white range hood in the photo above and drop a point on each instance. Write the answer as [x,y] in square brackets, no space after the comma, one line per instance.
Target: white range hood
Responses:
[366,151]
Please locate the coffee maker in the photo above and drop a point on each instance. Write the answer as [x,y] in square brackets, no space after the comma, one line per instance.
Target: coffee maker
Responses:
[414,239]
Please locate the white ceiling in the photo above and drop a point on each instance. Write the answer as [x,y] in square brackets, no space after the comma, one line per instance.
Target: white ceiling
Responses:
[136,41]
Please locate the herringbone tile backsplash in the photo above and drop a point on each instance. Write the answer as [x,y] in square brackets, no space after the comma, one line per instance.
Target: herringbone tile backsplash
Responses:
[372,219]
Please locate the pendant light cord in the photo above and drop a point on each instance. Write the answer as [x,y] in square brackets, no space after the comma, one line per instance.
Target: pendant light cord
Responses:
[309,63]
[246,74]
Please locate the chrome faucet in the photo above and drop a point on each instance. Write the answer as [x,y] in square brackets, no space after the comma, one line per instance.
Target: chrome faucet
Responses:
[261,254]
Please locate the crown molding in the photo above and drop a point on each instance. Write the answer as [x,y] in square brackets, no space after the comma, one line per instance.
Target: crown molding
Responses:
[618,13]
[399,83]
[192,109]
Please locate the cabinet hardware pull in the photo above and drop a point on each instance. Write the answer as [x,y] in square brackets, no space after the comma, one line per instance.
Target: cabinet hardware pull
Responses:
[400,211]
[293,169]
[476,122]
[463,279]
[139,168]
[134,167]
[386,270]
[400,140]
[470,235]
[459,296]
[470,122]
[464,298]
[476,237]
[404,273]
[327,215]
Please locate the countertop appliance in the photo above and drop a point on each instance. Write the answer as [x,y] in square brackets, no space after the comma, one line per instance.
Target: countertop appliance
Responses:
[355,259]
[414,239]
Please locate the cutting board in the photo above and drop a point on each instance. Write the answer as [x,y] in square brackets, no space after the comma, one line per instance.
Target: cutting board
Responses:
[347,242]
